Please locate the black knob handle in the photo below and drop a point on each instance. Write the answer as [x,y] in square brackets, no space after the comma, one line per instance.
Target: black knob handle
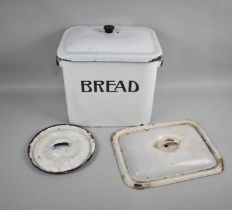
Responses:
[108,29]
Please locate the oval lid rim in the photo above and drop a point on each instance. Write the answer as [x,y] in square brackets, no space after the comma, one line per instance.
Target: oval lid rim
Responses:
[91,152]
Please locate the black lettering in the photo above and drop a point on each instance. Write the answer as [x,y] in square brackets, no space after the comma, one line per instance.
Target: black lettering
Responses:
[98,84]
[136,86]
[109,84]
[85,86]
[120,85]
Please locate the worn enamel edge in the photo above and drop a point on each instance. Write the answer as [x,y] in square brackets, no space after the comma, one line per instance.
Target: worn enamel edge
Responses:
[182,177]
[91,154]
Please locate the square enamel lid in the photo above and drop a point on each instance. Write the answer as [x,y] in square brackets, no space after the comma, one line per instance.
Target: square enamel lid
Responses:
[164,153]
[109,43]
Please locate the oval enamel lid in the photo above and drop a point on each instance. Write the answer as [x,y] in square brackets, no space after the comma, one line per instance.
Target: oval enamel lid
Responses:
[61,148]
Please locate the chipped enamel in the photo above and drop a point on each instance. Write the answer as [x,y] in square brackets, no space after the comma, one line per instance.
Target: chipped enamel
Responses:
[61,148]
[164,153]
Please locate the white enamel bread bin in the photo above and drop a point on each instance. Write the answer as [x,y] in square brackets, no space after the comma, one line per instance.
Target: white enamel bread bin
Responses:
[109,74]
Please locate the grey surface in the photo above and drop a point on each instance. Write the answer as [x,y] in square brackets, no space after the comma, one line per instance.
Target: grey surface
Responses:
[195,82]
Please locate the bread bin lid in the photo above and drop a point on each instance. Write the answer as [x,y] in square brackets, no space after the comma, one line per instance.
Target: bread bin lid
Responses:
[164,153]
[109,44]
[61,148]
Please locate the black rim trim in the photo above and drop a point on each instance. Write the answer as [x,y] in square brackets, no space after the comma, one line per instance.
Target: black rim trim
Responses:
[62,172]
[159,58]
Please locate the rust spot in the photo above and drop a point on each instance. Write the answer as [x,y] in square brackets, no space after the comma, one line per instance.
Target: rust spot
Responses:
[222,164]
[138,186]
[167,145]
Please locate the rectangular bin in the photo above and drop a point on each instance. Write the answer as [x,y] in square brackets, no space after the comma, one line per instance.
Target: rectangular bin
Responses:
[109,74]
